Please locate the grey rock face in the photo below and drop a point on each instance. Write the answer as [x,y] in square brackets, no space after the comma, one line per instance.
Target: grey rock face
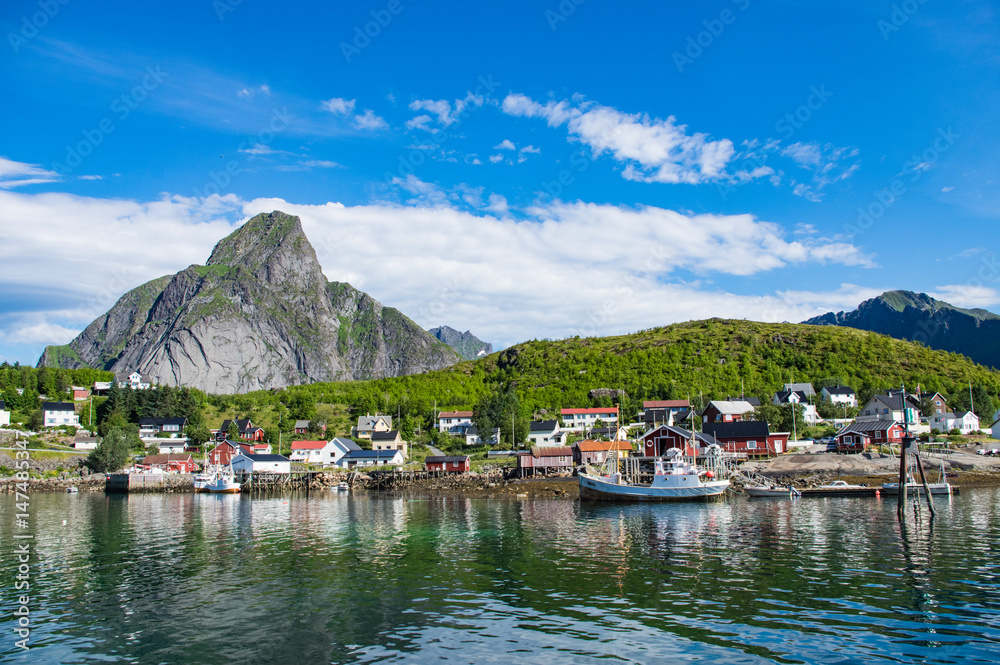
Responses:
[260,314]
[466,344]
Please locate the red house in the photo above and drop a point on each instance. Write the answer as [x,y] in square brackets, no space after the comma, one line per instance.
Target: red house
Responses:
[450,463]
[656,442]
[727,411]
[180,463]
[750,437]
[223,453]
[246,429]
[856,437]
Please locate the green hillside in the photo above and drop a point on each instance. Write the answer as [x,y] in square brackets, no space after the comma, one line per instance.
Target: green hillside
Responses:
[701,359]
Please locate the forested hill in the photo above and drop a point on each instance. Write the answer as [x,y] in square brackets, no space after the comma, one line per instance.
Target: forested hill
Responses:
[701,359]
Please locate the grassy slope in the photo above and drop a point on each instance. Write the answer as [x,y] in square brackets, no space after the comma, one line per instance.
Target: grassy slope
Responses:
[709,357]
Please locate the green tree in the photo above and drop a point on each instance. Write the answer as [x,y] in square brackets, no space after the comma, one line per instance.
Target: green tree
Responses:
[36,420]
[111,454]
[197,434]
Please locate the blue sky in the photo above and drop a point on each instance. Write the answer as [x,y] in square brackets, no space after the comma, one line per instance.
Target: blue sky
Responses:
[523,170]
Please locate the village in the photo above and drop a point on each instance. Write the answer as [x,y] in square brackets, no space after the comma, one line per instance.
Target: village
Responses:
[553,446]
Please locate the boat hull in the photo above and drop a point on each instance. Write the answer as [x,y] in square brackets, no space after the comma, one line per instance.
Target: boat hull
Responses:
[768,492]
[840,491]
[598,489]
[937,489]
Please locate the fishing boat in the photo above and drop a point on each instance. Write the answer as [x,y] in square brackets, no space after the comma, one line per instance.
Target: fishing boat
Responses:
[202,480]
[72,490]
[772,491]
[674,479]
[941,487]
[840,488]
[223,482]
[343,487]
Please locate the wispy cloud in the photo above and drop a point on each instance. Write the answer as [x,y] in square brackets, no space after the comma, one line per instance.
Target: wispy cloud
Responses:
[18,174]
[338,106]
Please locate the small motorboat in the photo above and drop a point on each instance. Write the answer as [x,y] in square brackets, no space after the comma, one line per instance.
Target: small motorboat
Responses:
[72,490]
[772,491]
[343,487]
[840,488]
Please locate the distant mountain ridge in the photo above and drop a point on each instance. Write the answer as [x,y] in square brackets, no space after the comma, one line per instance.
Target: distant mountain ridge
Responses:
[465,343]
[919,317]
[260,314]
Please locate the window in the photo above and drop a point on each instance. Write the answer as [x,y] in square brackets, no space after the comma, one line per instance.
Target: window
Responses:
[751,445]
[562,459]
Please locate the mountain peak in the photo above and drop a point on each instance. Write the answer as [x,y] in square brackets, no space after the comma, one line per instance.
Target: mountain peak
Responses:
[466,344]
[900,300]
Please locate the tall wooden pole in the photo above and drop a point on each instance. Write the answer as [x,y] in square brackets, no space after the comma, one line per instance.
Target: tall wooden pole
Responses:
[927,489]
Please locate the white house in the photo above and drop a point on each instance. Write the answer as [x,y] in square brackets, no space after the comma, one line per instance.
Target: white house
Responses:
[809,413]
[966,422]
[839,395]
[262,463]
[4,415]
[326,453]
[890,407]
[86,442]
[544,433]
[579,420]
[454,422]
[371,458]
[55,414]
[804,388]
[135,380]
[171,446]
[472,437]
[161,428]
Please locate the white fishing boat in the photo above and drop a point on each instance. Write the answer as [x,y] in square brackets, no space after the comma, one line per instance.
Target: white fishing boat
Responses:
[223,482]
[674,479]
[942,487]
[202,480]
[343,487]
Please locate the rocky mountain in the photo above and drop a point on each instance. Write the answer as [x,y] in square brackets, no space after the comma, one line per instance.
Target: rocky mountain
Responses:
[919,317]
[465,343]
[260,314]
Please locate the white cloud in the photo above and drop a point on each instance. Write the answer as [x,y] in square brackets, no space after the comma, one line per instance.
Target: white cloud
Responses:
[447,112]
[437,262]
[531,149]
[338,106]
[496,158]
[39,333]
[18,174]
[259,149]
[321,163]
[827,164]
[91,177]
[506,144]
[947,189]
[368,120]
[806,154]
[420,122]
[967,295]
[653,150]
[247,93]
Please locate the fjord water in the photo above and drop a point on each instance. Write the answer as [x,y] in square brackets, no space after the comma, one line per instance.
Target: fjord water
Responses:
[362,578]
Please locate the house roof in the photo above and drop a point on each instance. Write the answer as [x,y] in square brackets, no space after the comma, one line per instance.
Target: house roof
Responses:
[441,459]
[751,400]
[680,432]
[301,424]
[241,425]
[544,425]
[783,396]
[665,404]
[738,430]
[385,436]
[309,445]
[367,422]
[861,426]
[57,406]
[372,454]
[591,446]
[612,409]
[345,444]
[163,459]
[265,458]
[551,451]
[734,407]
[159,422]
[838,390]
[807,388]
[2,405]
[455,414]
[894,402]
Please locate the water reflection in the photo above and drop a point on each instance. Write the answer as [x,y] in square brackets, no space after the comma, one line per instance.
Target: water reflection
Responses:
[355,578]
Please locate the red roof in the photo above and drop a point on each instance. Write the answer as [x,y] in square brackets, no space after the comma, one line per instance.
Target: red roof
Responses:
[612,409]
[665,404]
[591,446]
[308,445]
[455,414]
